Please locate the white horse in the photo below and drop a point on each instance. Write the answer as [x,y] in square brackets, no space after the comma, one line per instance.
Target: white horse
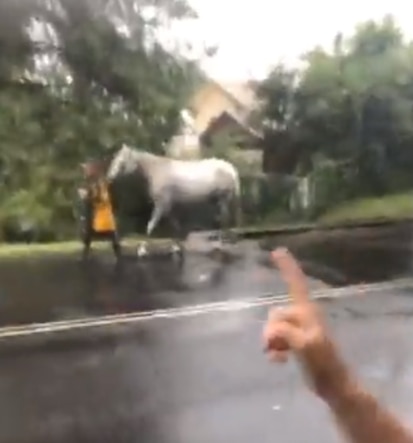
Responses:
[175,182]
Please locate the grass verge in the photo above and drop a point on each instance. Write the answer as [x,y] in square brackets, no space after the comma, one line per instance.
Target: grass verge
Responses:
[9,250]
[395,206]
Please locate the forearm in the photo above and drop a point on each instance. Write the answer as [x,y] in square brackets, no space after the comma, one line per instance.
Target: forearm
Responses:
[360,416]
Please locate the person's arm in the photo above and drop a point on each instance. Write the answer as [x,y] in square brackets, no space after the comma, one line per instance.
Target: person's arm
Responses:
[87,203]
[300,329]
[362,418]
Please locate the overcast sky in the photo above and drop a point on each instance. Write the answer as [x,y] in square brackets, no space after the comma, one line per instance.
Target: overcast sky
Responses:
[253,34]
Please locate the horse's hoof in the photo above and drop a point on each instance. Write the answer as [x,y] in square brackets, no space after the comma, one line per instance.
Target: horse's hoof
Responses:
[176,248]
[142,250]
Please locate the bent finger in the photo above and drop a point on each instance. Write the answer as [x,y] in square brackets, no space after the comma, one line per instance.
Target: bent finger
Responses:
[282,336]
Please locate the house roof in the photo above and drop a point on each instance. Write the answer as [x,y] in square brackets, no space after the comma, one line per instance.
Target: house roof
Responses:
[243,92]
[229,117]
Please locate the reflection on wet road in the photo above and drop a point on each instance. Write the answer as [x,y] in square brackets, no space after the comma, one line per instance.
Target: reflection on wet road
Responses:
[65,288]
[200,379]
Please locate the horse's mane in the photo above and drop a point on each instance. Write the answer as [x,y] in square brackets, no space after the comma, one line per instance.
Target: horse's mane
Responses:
[136,151]
[145,155]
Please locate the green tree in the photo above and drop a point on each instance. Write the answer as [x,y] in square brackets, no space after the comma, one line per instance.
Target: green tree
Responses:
[77,78]
[352,104]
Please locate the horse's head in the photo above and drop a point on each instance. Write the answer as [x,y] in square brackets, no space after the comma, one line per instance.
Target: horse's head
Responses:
[121,164]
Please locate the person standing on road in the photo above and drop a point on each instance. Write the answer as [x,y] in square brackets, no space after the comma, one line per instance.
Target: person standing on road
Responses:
[300,329]
[98,216]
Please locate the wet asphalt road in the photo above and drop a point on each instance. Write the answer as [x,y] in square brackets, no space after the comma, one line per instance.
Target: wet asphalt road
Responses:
[200,379]
[64,288]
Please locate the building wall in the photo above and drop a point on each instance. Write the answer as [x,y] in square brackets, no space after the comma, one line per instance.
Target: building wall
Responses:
[184,146]
[209,103]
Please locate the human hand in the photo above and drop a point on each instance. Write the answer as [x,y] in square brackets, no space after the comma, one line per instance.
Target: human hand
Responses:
[300,328]
[82,193]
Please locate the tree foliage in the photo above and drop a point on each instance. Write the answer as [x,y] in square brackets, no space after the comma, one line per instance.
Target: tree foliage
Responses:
[77,78]
[352,104]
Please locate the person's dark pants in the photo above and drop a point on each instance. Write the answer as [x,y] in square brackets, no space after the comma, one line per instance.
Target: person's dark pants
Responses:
[89,235]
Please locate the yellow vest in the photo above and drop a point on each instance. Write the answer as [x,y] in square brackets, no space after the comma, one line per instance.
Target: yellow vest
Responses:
[103,218]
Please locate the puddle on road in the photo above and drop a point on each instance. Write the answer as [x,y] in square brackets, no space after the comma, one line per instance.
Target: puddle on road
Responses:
[65,288]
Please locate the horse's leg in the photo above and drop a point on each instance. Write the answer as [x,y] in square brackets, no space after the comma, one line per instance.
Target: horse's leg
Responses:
[178,229]
[177,218]
[179,239]
[157,213]
[237,202]
[156,216]
[231,211]
[224,214]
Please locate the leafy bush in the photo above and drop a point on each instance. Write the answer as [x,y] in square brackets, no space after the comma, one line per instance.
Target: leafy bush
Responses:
[331,183]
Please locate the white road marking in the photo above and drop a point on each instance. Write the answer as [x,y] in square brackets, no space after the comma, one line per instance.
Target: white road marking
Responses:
[191,311]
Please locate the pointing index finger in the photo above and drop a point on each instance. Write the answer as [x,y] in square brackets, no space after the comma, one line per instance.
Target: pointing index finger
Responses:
[292,274]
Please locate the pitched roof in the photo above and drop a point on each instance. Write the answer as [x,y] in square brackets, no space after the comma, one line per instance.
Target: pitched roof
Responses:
[226,116]
[243,92]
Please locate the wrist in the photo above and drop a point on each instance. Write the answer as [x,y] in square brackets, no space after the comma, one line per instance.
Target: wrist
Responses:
[339,385]
[332,379]
[341,392]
